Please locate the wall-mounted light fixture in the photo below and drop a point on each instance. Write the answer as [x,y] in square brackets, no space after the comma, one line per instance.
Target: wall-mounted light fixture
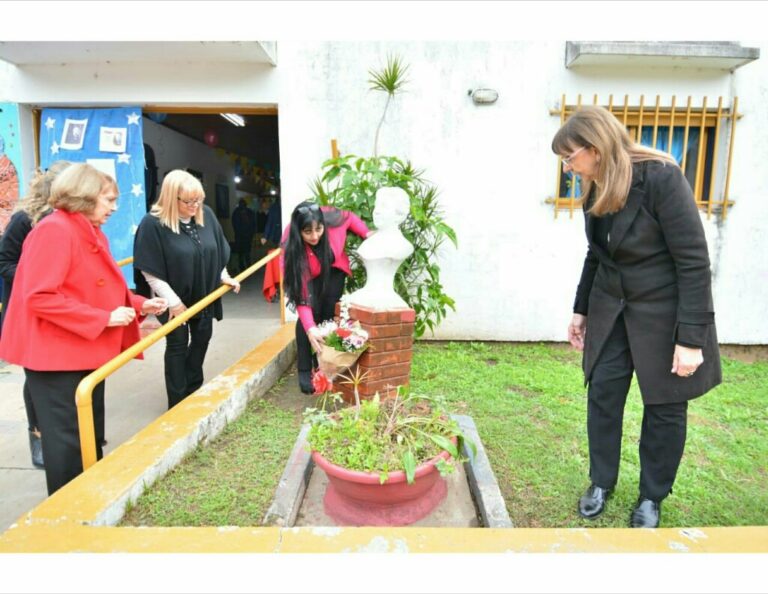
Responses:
[235,119]
[483,96]
[238,179]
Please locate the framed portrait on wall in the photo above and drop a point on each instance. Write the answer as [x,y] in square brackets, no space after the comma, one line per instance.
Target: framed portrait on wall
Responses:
[222,201]
[74,134]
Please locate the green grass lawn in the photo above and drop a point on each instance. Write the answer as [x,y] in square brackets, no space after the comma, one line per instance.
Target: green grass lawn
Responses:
[529,405]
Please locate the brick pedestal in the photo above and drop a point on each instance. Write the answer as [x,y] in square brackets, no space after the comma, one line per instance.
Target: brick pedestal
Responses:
[387,360]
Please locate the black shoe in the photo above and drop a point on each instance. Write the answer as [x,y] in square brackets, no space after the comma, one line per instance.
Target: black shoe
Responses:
[646,514]
[592,503]
[36,449]
[305,382]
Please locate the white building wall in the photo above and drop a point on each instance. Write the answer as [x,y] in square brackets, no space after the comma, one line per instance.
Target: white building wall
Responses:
[516,269]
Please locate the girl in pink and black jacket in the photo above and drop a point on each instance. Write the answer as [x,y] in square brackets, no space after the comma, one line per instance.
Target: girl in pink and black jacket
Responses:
[315,267]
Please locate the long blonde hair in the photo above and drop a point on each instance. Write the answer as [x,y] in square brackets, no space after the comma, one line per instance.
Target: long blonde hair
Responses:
[595,127]
[177,184]
[35,203]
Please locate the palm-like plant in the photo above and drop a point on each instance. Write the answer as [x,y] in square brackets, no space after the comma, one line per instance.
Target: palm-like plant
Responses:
[390,80]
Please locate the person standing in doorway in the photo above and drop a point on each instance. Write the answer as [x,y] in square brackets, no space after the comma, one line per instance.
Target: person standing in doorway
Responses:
[643,305]
[244,226]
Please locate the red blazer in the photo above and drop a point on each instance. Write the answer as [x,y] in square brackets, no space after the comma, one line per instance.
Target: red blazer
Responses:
[66,285]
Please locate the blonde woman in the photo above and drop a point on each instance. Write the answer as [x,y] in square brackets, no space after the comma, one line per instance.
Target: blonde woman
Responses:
[70,312]
[180,254]
[643,305]
[27,213]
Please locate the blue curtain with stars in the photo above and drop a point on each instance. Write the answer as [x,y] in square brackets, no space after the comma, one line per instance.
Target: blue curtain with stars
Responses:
[112,141]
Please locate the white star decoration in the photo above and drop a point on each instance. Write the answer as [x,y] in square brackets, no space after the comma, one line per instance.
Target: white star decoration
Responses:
[124,158]
[133,118]
[136,189]
[49,123]
[55,148]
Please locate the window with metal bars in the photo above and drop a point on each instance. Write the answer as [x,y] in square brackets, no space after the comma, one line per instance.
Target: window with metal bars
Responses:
[699,137]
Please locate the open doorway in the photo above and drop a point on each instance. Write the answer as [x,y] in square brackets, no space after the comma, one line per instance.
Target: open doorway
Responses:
[235,154]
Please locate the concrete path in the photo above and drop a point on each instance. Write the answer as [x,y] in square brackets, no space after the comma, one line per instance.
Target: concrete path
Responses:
[135,395]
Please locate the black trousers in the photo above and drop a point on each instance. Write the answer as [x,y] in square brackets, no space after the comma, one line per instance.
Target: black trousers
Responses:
[663,432]
[324,309]
[53,395]
[185,350]
[32,423]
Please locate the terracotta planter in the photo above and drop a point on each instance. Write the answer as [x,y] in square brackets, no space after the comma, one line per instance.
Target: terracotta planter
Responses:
[356,498]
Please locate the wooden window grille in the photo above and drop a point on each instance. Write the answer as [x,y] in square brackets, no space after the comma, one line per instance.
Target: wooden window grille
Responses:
[700,138]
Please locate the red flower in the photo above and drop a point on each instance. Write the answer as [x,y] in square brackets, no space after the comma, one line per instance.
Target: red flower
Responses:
[343,333]
[321,383]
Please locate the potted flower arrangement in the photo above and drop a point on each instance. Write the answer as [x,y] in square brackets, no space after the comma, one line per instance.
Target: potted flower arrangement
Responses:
[385,459]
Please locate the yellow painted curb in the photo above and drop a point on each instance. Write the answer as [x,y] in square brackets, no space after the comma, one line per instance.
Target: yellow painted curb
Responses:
[70,537]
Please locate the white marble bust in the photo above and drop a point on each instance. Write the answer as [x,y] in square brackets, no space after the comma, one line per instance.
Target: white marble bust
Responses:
[384,251]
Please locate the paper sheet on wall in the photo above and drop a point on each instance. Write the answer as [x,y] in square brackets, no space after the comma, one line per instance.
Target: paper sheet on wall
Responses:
[104,165]
[112,140]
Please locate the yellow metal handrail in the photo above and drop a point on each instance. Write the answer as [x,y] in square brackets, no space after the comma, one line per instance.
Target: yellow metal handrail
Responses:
[84,392]
[125,261]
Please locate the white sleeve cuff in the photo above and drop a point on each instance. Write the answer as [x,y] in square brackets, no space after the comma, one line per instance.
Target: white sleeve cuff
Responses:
[162,289]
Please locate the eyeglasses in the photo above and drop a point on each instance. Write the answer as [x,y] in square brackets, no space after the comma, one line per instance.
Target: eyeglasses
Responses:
[307,209]
[567,160]
[190,202]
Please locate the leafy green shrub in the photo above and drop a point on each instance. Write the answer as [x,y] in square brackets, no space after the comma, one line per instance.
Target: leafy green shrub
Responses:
[388,435]
[350,182]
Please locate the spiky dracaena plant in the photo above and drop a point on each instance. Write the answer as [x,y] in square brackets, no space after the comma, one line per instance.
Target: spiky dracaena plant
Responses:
[350,182]
[390,80]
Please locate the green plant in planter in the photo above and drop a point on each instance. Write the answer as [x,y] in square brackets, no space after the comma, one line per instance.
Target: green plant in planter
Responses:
[383,436]
[350,182]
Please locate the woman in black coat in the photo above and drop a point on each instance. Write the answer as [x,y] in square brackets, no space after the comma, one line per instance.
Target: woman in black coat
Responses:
[643,305]
[180,253]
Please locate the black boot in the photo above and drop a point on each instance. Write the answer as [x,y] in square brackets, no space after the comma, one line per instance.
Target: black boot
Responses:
[36,449]
[305,382]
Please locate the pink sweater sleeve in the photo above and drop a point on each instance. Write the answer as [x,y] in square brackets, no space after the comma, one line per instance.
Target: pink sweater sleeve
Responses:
[306,317]
[356,225]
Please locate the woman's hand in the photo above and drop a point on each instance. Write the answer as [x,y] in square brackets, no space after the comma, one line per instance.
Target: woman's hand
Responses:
[232,283]
[176,311]
[122,316]
[577,331]
[686,361]
[156,305]
[315,338]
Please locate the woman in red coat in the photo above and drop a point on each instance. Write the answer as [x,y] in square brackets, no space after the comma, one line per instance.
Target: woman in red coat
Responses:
[70,312]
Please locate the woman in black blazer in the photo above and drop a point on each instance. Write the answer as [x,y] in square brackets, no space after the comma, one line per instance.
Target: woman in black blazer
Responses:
[643,305]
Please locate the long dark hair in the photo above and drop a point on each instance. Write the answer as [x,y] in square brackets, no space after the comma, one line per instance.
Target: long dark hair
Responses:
[298,289]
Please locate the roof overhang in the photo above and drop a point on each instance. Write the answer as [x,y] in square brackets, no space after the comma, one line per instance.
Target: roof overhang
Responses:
[23,53]
[715,55]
